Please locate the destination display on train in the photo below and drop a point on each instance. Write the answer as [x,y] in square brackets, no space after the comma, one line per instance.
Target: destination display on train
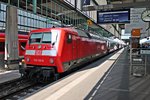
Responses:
[113,17]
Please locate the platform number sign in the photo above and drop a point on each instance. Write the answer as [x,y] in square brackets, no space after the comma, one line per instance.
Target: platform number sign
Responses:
[89,22]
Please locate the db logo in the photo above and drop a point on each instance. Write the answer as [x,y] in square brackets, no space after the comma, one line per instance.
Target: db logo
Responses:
[38,52]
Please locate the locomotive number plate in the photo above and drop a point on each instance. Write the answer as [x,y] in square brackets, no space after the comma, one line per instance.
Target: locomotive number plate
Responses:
[38,60]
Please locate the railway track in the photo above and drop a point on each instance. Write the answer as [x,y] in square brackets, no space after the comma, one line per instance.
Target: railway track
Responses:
[24,92]
[10,87]
[20,88]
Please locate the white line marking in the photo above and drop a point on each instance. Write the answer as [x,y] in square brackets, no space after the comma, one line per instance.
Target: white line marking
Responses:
[5,72]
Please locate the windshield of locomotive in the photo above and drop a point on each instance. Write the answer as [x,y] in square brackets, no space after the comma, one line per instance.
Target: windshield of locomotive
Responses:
[38,38]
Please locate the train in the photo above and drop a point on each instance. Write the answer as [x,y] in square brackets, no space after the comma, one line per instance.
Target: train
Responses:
[22,40]
[53,51]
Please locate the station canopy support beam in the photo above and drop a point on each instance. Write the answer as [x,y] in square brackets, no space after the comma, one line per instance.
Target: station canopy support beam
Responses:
[140,4]
[34,5]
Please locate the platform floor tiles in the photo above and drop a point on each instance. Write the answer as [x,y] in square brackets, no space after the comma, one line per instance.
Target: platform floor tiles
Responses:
[120,85]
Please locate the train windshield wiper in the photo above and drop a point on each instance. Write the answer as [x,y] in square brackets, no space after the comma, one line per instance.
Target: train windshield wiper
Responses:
[55,39]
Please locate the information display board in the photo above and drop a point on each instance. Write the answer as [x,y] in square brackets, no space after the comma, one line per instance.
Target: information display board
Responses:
[146,52]
[117,16]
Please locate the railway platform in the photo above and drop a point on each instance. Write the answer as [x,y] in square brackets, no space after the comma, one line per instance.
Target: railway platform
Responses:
[10,75]
[119,84]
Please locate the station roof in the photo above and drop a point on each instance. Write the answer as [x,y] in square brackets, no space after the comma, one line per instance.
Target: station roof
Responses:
[62,11]
[118,4]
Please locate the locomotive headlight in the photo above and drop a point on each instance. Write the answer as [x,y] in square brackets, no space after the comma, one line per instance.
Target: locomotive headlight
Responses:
[23,61]
[39,46]
[51,60]
[28,59]
[20,63]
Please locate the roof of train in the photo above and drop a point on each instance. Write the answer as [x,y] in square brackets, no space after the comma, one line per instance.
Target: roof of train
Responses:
[70,29]
[19,35]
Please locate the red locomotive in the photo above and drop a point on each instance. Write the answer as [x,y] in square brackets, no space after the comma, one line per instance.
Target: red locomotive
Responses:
[22,42]
[51,51]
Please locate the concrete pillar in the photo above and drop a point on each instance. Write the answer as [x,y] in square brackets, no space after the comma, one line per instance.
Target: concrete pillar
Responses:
[11,36]
[34,5]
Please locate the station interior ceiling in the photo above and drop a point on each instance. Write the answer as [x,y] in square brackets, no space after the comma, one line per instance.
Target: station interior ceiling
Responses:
[122,4]
[67,14]
[58,10]
[119,4]
[126,3]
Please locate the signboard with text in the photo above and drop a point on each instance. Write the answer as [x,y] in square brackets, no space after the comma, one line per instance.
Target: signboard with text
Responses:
[117,16]
[86,2]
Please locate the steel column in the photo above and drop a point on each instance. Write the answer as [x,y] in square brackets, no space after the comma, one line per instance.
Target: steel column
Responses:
[34,5]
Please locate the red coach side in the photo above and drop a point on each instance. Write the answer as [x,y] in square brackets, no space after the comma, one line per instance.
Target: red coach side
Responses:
[22,42]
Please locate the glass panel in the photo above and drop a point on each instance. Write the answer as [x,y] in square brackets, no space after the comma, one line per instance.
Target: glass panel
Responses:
[4,15]
[1,16]
[21,12]
[19,20]
[40,38]
[25,20]
[46,38]
[32,15]
[36,35]
[35,38]
[82,33]
[1,25]
[29,22]
[3,7]
[25,13]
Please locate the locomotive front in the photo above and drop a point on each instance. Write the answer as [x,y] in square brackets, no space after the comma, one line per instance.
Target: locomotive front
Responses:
[42,53]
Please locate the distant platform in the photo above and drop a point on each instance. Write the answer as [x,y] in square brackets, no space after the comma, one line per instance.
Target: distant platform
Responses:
[6,76]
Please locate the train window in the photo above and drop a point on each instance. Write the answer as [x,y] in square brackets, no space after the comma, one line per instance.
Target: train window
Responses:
[82,33]
[2,45]
[40,38]
[46,38]
[69,38]
[35,38]
[94,36]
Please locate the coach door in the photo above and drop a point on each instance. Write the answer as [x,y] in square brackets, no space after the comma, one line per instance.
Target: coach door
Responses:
[74,47]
